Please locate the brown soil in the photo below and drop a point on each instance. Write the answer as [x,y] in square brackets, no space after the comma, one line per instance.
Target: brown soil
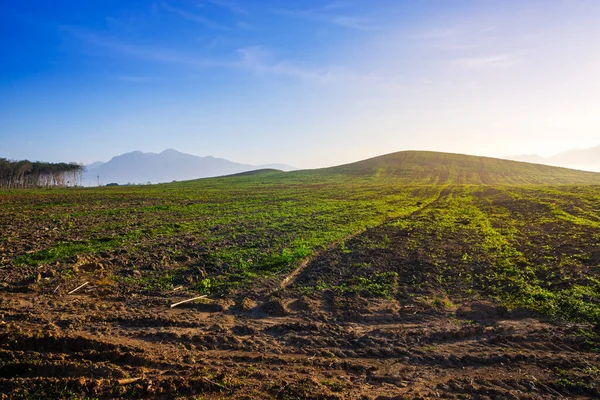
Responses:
[89,344]
[280,339]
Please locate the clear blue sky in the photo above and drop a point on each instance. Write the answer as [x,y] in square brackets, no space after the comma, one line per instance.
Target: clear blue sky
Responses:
[308,83]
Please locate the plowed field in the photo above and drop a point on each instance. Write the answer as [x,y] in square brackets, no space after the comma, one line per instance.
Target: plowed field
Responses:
[342,289]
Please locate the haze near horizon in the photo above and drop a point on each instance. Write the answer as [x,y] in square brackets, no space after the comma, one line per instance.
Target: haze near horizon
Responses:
[306,83]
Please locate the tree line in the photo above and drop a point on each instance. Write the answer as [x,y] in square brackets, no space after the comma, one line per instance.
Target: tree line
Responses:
[35,174]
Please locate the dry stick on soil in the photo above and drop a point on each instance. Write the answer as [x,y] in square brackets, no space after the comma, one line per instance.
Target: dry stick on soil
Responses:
[127,381]
[188,300]
[77,288]
[215,383]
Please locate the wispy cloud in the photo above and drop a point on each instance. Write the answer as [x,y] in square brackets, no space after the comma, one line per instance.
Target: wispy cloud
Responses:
[258,60]
[478,45]
[455,46]
[323,15]
[192,17]
[245,26]
[454,39]
[435,33]
[486,62]
[337,5]
[352,22]
[138,51]
[254,59]
[230,5]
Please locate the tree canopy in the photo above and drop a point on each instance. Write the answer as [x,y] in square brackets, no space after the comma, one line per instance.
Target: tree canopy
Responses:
[35,174]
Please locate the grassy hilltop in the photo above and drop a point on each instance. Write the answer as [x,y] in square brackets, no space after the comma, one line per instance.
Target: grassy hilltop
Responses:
[430,167]
[416,239]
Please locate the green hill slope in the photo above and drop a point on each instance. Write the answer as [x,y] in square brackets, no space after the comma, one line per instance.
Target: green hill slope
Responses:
[440,168]
[257,172]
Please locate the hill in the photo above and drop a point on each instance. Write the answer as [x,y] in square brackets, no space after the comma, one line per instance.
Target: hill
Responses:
[169,165]
[441,168]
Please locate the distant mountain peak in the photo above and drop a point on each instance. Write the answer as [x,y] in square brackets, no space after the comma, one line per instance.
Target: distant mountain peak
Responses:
[171,151]
[93,165]
[139,167]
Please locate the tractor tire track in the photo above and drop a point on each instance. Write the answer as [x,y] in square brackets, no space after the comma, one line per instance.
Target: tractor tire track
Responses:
[290,279]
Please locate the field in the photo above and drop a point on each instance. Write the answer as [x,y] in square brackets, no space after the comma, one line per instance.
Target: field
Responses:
[353,282]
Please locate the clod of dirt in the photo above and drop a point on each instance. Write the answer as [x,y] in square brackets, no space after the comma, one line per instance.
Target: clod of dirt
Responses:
[134,273]
[246,304]
[91,267]
[522,313]
[243,330]
[76,259]
[48,273]
[481,311]
[195,274]
[182,258]
[225,304]
[304,303]
[205,307]
[275,308]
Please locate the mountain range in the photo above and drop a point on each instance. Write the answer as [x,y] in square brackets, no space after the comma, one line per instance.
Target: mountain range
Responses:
[170,165]
[584,159]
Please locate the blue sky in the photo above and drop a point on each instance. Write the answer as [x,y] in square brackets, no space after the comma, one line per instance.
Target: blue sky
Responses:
[308,83]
